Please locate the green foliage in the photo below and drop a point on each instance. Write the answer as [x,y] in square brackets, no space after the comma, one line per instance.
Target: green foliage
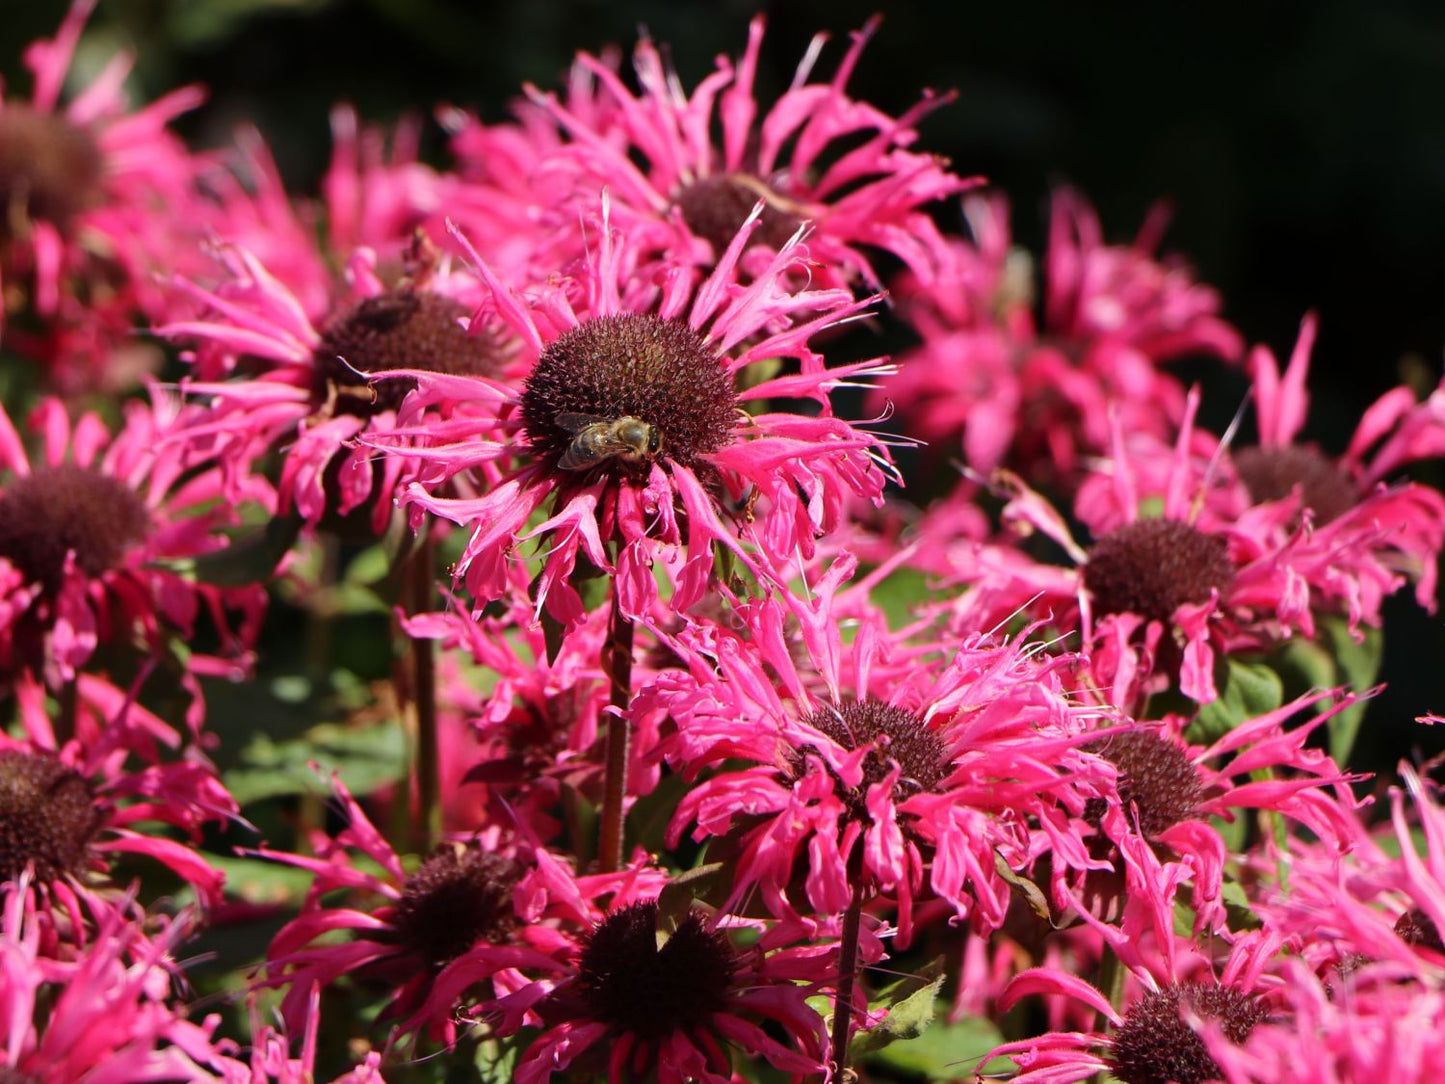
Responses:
[262,882]
[1335,658]
[649,817]
[217,21]
[945,1051]
[1246,690]
[677,898]
[899,592]
[916,1039]
[366,759]
[910,1003]
[1240,914]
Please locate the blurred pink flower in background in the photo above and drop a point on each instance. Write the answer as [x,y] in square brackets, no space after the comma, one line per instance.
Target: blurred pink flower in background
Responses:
[95,533]
[698,163]
[1035,392]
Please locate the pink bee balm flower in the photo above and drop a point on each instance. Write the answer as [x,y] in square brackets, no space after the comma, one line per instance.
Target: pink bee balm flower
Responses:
[1381,900]
[1382,1031]
[87,529]
[313,395]
[103,1017]
[1364,996]
[634,431]
[1365,537]
[816,156]
[648,999]
[67,811]
[886,783]
[87,188]
[374,195]
[271,1061]
[1169,793]
[1169,1022]
[534,733]
[1035,392]
[1168,584]
[467,900]
[513,186]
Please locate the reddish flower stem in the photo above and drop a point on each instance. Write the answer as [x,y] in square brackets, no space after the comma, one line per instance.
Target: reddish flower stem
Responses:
[847,976]
[427,827]
[69,715]
[619,738]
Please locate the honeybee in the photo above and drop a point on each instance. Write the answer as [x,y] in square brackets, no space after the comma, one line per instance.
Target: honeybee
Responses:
[595,440]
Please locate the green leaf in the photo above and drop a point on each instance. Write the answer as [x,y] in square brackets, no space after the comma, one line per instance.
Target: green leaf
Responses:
[369,567]
[1238,907]
[899,593]
[1240,914]
[910,1013]
[496,1059]
[347,599]
[1234,831]
[758,372]
[675,901]
[1305,665]
[260,881]
[1390,843]
[1333,658]
[581,817]
[1359,664]
[1246,690]
[649,817]
[366,758]
[944,1051]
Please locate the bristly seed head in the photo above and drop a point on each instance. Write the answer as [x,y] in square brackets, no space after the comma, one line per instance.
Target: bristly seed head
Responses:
[1271,474]
[50,169]
[715,208]
[48,816]
[400,329]
[457,897]
[1155,775]
[1415,927]
[1155,1045]
[896,734]
[627,981]
[53,510]
[1151,567]
[632,365]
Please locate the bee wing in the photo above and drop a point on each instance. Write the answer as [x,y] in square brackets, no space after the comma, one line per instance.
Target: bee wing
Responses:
[575,423]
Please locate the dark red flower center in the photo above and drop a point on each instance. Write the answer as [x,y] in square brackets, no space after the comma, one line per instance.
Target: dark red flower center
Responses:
[1156,1044]
[49,169]
[627,980]
[48,816]
[715,208]
[618,392]
[456,898]
[1155,776]
[1415,927]
[897,736]
[1151,567]
[1271,474]
[54,510]
[400,329]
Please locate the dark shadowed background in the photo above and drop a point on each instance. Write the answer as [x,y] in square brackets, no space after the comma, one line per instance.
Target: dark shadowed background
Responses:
[1302,144]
